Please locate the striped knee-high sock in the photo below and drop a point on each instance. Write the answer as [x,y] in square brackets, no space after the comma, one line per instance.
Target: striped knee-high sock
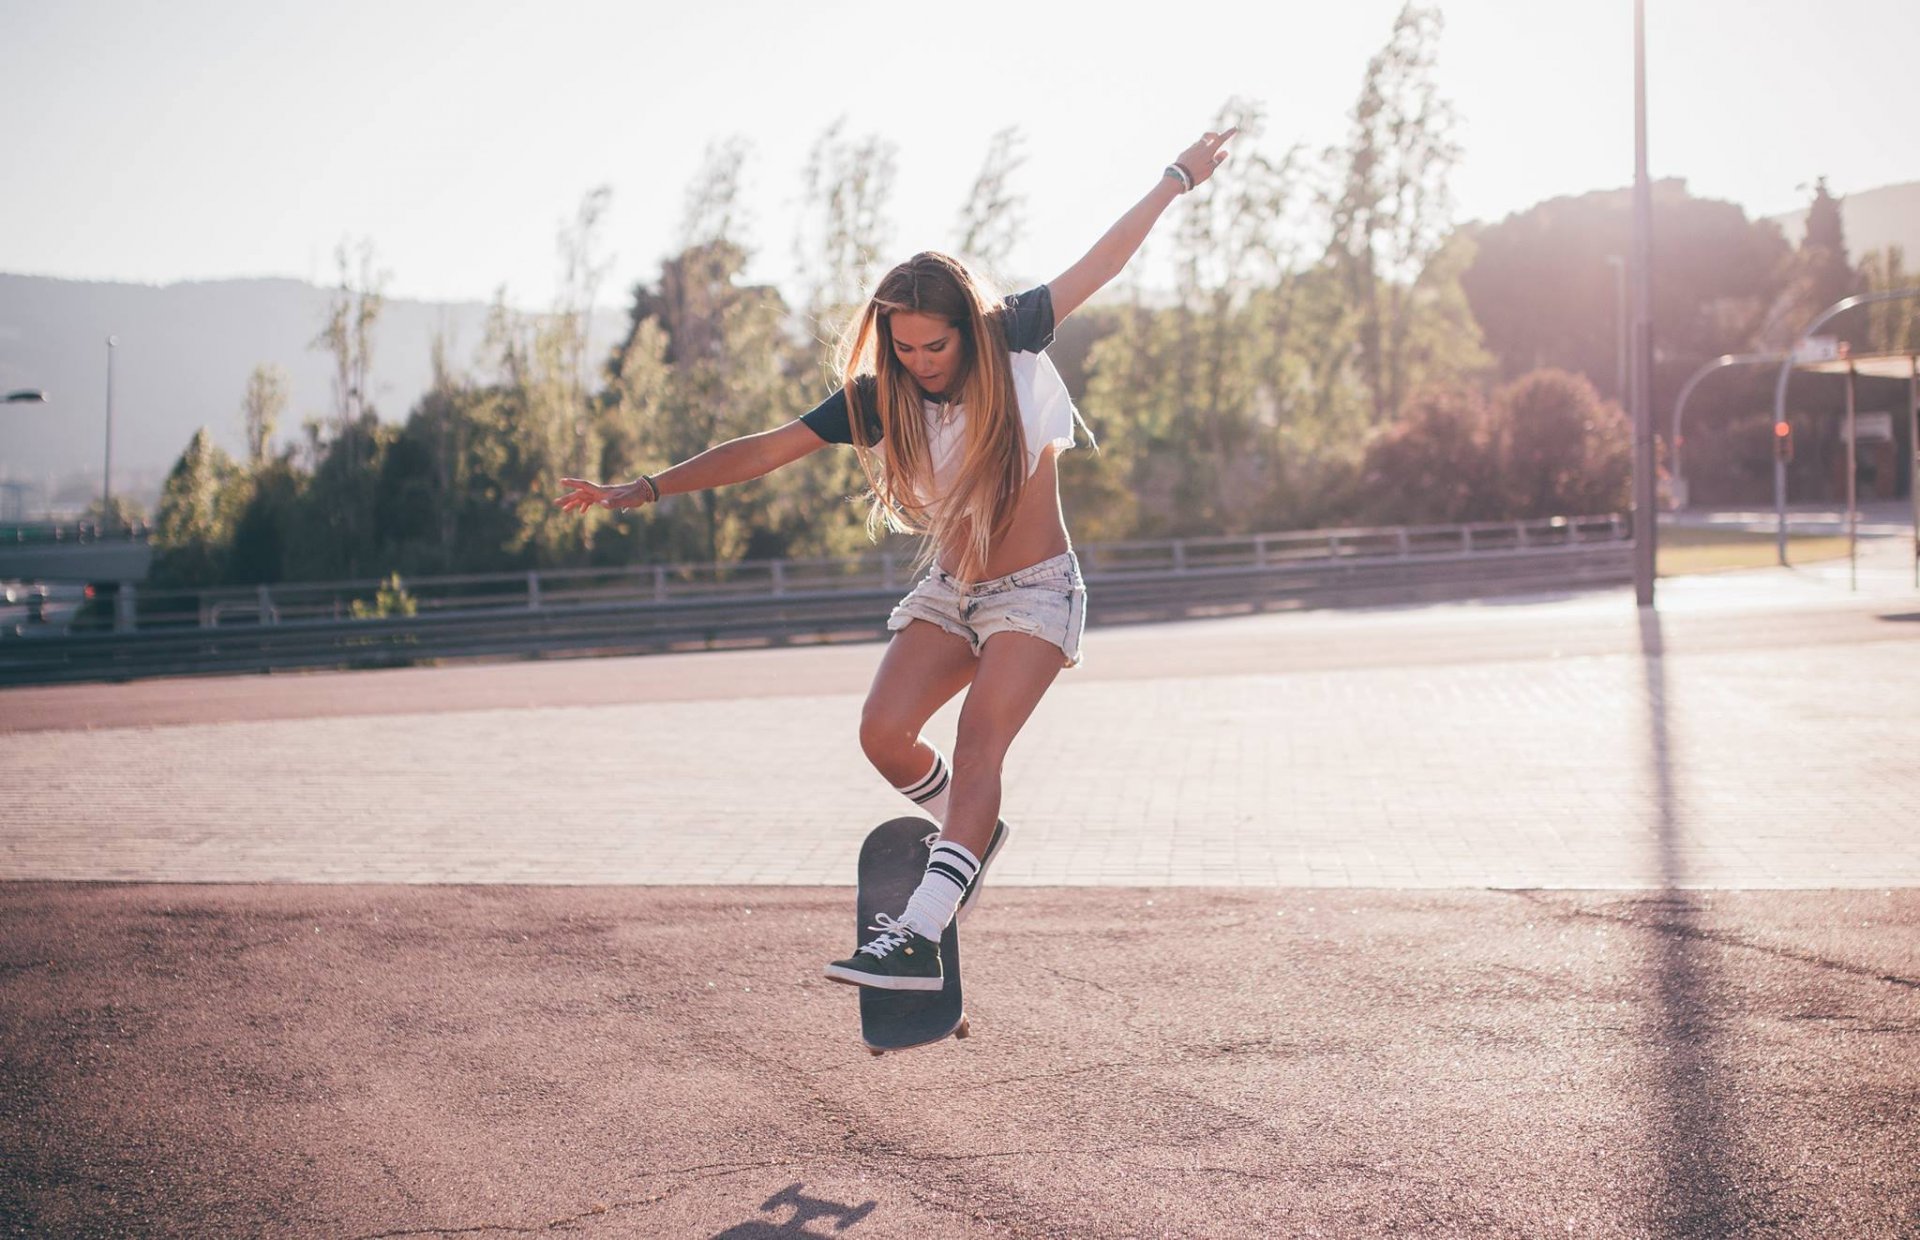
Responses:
[950,868]
[929,792]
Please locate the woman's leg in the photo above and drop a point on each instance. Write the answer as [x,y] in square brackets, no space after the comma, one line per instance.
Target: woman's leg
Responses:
[923,668]
[1015,670]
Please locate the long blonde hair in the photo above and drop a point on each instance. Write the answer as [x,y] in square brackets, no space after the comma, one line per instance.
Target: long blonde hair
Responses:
[979,504]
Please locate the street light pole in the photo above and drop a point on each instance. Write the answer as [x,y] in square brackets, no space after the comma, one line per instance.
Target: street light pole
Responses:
[106,477]
[1619,266]
[1646,521]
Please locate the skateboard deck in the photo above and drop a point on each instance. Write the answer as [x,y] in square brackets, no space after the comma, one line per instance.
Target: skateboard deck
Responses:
[892,862]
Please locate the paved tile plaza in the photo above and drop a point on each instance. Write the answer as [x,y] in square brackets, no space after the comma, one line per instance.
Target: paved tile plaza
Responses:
[1762,732]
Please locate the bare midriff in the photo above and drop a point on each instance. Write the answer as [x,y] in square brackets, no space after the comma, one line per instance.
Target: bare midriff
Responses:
[1038,532]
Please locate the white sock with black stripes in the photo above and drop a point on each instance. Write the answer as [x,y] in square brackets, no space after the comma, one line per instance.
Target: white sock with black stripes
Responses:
[949,869]
[929,792]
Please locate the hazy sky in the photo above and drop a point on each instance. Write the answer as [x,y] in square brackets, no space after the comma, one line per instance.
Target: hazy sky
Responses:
[200,139]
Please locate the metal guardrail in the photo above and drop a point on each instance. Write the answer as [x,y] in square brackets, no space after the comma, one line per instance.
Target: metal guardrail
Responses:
[625,611]
[71,533]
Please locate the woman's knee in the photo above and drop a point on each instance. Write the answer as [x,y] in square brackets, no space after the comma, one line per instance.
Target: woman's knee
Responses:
[886,735]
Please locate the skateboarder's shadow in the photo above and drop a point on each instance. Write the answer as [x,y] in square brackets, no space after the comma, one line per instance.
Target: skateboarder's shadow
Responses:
[805,1210]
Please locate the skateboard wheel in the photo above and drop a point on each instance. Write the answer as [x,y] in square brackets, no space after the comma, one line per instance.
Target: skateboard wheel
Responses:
[962,1030]
[876,1054]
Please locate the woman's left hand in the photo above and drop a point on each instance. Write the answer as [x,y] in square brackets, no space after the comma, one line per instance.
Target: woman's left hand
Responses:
[1208,153]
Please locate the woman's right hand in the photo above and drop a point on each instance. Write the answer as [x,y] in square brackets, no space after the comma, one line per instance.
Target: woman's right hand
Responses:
[582,495]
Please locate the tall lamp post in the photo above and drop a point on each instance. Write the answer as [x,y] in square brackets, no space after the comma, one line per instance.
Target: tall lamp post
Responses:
[1619,266]
[1646,521]
[106,476]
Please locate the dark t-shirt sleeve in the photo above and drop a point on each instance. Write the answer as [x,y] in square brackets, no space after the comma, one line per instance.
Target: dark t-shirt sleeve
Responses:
[831,420]
[1030,320]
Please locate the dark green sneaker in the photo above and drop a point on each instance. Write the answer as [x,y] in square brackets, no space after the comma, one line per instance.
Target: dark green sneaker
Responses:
[898,959]
[1000,833]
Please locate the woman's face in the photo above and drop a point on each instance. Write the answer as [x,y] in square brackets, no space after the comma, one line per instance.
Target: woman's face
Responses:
[929,347]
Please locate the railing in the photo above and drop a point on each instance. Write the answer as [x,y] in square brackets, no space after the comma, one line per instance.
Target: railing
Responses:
[49,533]
[135,632]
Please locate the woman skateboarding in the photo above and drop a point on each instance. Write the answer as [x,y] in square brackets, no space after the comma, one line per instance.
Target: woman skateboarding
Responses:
[958,417]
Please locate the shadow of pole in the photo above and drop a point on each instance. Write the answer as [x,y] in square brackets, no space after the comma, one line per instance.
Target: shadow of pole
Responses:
[1691,1134]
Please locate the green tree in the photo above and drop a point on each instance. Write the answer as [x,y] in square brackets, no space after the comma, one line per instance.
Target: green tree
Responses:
[1127,405]
[1814,276]
[462,432]
[843,230]
[1393,213]
[339,537]
[708,357]
[347,337]
[267,525]
[117,512]
[723,348]
[199,505]
[1544,445]
[1438,463]
[994,216]
[1566,451]
[1892,326]
[336,534]
[1541,286]
[540,403]
[583,270]
[261,410]
[532,408]
[1823,263]
[1235,406]
[1229,246]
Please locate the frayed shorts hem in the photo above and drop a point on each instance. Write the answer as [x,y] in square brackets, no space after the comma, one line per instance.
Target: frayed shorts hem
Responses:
[1047,600]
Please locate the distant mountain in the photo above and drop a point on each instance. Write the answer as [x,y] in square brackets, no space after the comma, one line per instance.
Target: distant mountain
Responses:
[1873,219]
[184,354]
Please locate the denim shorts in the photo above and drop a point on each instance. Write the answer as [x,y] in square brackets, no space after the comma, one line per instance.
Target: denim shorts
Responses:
[1047,600]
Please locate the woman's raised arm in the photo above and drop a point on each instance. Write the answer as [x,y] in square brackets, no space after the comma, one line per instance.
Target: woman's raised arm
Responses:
[1111,253]
[736,460]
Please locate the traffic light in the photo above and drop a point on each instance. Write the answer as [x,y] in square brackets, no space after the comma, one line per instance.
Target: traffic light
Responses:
[1782,442]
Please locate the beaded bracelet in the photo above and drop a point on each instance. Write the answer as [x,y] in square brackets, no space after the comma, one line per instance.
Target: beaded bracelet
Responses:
[1179,173]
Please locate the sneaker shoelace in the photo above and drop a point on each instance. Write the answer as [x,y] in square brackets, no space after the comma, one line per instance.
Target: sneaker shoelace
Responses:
[892,934]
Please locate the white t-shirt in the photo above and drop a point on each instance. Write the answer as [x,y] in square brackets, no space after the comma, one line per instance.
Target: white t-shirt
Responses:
[1046,418]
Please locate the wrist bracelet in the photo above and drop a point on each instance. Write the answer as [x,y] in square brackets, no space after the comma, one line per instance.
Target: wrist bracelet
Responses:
[1179,173]
[653,489]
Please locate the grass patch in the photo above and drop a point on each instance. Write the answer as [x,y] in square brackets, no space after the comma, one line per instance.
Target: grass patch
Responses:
[1692,549]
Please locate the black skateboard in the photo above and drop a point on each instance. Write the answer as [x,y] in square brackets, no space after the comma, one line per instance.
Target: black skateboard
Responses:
[892,862]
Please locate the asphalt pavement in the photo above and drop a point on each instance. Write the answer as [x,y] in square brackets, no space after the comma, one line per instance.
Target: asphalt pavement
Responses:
[1543,918]
[653,1061]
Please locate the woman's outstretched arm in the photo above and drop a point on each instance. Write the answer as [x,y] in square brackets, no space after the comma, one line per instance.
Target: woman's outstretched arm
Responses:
[736,460]
[1111,253]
